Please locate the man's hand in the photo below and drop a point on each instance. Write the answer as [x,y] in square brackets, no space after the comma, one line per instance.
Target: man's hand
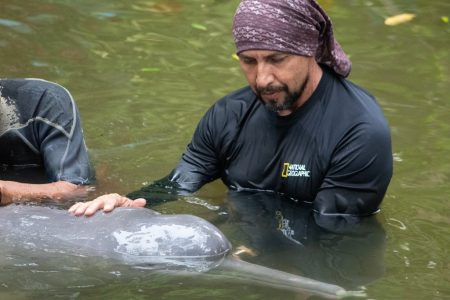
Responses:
[57,192]
[106,202]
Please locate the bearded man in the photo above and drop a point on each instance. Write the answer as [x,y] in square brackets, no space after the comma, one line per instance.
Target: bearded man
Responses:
[299,129]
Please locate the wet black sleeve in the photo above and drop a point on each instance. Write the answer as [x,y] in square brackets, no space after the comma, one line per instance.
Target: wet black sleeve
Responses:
[359,173]
[160,191]
[200,162]
[62,143]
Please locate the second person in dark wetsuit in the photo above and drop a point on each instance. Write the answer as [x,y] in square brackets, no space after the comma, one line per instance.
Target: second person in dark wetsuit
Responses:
[43,155]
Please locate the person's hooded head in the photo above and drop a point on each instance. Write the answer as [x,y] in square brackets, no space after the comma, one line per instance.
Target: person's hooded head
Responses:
[298,27]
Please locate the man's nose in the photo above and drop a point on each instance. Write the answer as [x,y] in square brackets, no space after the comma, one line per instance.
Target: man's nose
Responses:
[264,76]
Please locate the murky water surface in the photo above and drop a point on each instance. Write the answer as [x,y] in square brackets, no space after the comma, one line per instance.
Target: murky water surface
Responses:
[144,72]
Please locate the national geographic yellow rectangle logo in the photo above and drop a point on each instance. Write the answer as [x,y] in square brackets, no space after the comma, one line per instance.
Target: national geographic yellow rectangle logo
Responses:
[285,170]
[294,170]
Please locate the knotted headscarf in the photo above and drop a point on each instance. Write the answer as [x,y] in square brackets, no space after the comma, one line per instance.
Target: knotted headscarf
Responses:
[294,26]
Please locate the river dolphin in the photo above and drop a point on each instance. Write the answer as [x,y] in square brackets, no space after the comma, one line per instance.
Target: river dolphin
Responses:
[143,238]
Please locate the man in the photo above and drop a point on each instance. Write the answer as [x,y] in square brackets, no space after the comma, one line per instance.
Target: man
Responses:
[300,129]
[43,156]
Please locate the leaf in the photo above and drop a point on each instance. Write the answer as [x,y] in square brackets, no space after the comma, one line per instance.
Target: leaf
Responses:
[199,26]
[399,19]
[102,54]
[150,69]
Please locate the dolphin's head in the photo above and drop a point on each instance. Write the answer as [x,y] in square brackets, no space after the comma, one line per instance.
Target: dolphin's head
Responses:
[172,241]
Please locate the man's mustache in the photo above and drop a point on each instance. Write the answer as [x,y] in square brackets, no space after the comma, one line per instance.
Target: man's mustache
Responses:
[271,89]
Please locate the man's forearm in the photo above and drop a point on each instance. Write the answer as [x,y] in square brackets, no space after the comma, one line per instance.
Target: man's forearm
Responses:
[17,192]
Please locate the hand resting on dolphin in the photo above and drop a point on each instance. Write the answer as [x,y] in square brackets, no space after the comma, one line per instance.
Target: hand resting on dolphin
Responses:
[144,238]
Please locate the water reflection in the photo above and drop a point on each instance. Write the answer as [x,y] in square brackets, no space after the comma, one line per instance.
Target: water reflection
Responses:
[345,251]
[286,234]
[15,25]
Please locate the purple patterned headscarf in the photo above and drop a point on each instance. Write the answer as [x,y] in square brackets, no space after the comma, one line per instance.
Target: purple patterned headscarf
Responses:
[294,26]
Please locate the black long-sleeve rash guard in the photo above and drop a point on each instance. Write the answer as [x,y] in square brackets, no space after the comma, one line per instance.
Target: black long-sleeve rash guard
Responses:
[40,130]
[334,151]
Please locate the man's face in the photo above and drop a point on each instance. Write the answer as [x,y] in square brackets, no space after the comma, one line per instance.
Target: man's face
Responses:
[278,78]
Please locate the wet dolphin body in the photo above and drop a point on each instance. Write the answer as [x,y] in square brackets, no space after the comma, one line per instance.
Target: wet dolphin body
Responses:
[141,237]
[135,236]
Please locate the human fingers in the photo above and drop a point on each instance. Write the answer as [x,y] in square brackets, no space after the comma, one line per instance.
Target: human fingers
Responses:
[140,202]
[79,208]
[122,201]
[112,201]
[90,207]
[106,202]
[74,207]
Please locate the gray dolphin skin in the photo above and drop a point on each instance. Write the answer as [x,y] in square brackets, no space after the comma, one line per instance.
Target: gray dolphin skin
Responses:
[143,238]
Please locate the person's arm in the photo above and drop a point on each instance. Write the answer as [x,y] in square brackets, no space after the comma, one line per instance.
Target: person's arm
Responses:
[55,133]
[16,192]
[199,164]
[159,191]
[359,174]
[62,146]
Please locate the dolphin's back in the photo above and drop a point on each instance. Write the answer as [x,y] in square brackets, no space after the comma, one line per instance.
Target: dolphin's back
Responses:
[134,235]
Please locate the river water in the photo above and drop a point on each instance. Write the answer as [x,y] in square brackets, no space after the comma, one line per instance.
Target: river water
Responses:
[143,73]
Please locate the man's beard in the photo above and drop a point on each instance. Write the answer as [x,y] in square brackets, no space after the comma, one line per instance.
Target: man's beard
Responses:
[289,100]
